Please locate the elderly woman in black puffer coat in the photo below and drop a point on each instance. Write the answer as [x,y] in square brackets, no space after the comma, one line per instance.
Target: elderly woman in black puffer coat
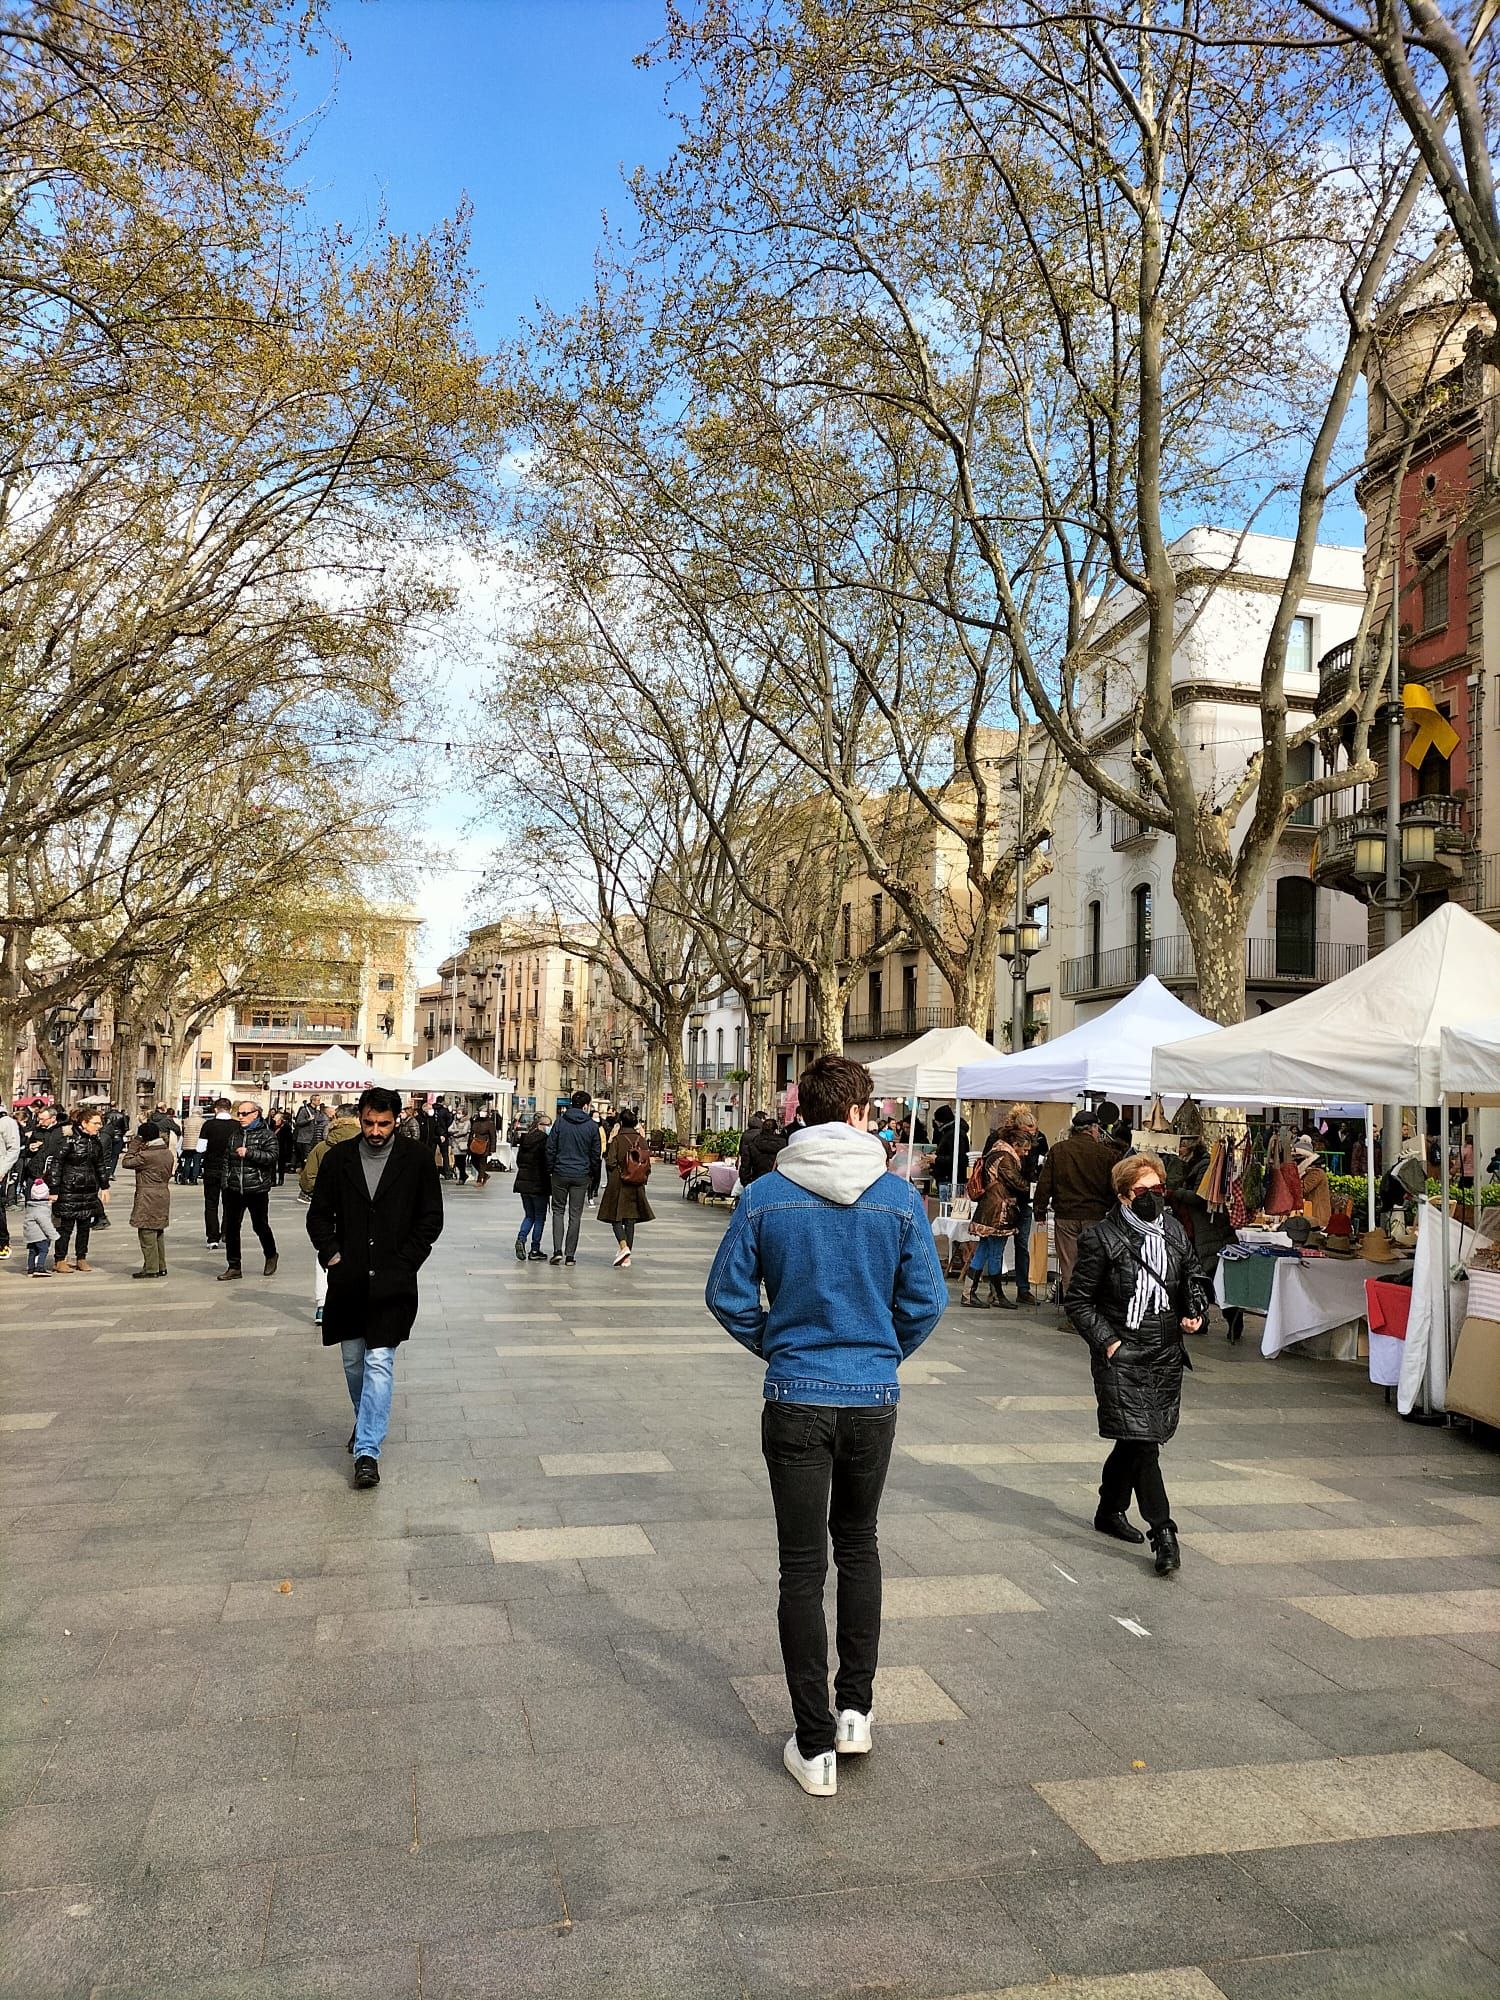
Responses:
[1136,1289]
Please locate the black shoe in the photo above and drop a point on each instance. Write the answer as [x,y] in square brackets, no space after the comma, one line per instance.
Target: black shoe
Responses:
[216,1244]
[536,1256]
[366,1472]
[271,1262]
[520,1250]
[1025,1298]
[231,1271]
[1168,1554]
[558,1258]
[567,1260]
[998,1298]
[1118,1526]
[349,1447]
[143,1274]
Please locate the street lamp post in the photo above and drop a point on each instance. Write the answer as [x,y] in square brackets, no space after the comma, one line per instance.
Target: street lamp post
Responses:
[1018,944]
[759,1010]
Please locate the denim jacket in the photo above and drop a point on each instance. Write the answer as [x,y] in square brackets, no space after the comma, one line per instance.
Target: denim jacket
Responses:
[855,1286]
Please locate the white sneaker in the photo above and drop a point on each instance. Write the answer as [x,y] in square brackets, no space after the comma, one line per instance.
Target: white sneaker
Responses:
[853,1732]
[817,1775]
[622,1256]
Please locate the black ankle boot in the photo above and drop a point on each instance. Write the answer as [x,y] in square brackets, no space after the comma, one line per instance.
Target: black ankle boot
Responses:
[1164,1546]
[997,1296]
[1118,1526]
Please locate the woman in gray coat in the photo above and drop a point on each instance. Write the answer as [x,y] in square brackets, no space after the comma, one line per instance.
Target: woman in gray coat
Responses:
[625,1203]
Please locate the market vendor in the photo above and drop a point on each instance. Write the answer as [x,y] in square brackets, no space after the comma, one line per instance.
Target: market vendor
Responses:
[1317,1196]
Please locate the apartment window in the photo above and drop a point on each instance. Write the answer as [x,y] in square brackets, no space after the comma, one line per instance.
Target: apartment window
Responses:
[1095,934]
[1039,1014]
[567,972]
[1296,927]
[846,924]
[1299,771]
[1299,647]
[386,983]
[1435,778]
[877,917]
[719,1047]
[1432,576]
[1140,927]
[1098,813]
[1041,915]
[875,999]
[566,1034]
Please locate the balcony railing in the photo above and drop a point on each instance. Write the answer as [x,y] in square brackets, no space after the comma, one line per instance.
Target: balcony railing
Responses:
[1269,961]
[1128,831]
[1333,852]
[1333,668]
[321,1032]
[1482,884]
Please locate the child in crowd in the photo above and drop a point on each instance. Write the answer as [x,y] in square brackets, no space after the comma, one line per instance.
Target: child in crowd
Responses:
[41,1230]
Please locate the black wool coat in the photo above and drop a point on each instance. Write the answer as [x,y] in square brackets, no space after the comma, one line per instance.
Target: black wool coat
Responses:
[380,1245]
[1139,1388]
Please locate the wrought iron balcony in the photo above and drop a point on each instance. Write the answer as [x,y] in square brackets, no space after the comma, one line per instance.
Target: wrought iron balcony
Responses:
[1269,961]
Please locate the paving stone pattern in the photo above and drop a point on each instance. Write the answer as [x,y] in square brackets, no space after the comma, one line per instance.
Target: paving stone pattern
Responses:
[511,1724]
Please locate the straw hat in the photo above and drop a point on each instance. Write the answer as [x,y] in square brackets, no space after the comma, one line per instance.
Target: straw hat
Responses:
[1375,1248]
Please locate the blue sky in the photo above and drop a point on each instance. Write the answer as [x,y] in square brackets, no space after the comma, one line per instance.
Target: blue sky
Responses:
[533,110]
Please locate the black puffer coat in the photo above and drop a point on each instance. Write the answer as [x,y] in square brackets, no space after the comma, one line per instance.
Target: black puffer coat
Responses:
[1139,1389]
[532,1174]
[76,1174]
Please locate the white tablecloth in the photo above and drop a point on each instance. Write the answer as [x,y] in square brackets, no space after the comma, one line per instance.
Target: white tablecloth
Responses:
[1313,1297]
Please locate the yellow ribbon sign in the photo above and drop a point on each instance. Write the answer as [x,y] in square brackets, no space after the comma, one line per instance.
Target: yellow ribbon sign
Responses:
[1434,730]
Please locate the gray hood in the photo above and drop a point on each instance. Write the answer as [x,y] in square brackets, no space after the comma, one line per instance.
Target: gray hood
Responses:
[833,1161]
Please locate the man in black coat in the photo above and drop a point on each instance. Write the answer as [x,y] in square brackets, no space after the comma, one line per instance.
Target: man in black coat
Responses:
[376,1211]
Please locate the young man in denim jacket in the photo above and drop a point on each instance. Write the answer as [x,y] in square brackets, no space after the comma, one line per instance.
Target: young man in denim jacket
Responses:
[844,1251]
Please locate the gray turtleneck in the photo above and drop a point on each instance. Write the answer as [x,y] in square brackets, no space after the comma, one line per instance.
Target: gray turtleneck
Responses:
[373,1160]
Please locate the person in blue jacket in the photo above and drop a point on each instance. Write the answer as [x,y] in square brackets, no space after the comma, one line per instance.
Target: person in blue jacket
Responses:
[845,1255]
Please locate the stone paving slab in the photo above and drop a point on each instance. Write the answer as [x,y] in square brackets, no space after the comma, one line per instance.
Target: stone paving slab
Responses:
[511,1723]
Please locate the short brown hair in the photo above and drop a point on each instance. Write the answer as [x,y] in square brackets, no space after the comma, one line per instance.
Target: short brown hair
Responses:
[830,1088]
[1124,1174]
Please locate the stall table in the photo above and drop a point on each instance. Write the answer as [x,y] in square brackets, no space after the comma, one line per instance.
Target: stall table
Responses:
[1303,1297]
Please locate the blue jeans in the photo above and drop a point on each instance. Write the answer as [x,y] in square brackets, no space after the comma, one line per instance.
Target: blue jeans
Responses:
[535,1219]
[370,1373]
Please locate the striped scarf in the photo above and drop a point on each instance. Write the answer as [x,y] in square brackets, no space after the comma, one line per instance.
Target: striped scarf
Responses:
[1150,1293]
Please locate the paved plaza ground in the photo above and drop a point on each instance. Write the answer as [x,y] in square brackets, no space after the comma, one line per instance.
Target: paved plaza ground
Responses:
[511,1725]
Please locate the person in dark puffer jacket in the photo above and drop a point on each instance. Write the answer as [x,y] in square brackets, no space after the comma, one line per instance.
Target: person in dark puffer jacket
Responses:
[533,1183]
[1136,1289]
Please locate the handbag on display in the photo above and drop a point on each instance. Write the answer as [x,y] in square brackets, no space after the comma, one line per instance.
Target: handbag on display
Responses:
[1187,1121]
[1159,1134]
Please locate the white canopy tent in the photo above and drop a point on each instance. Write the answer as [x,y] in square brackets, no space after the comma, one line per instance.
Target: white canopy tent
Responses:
[454,1071]
[1372,1036]
[336,1070]
[928,1067]
[1375,1034]
[1469,1061]
[1110,1053]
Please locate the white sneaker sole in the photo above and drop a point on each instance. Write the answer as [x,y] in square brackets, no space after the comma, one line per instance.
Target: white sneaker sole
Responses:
[860,1746]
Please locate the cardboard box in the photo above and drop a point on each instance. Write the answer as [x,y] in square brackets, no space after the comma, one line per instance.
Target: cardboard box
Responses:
[1474,1379]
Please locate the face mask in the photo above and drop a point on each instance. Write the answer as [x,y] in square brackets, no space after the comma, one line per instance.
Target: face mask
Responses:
[1146,1204]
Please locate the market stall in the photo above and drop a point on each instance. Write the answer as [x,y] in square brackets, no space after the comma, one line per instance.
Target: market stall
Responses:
[455,1074]
[336,1072]
[1300,1297]
[1469,1073]
[926,1071]
[1373,1036]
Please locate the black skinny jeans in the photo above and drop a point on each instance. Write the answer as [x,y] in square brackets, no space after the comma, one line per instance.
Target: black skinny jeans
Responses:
[827,1469]
[1135,1467]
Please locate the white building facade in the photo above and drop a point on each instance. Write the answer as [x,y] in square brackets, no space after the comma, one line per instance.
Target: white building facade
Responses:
[1108,910]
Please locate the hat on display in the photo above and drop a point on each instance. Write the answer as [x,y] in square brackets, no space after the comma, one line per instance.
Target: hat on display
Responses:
[1375,1248]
